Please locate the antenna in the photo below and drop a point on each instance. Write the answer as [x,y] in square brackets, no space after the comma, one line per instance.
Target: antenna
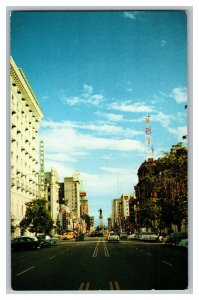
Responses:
[149,146]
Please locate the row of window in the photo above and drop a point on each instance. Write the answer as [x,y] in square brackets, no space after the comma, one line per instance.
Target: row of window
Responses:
[22,102]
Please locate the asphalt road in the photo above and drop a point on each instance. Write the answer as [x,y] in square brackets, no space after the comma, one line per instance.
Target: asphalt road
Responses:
[94,264]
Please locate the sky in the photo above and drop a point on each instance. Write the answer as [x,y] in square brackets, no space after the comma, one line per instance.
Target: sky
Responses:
[97,75]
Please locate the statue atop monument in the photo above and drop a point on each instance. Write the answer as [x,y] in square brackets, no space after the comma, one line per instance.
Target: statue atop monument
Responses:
[100,211]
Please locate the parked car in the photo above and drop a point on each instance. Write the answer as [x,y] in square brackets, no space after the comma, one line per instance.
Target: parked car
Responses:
[174,238]
[96,234]
[123,236]
[25,243]
[113,236]
[133,236]
[80,237]
[46,239]
[54,240]
[162,237]
[68,235]
[140,235]
[149,236]
[183,243]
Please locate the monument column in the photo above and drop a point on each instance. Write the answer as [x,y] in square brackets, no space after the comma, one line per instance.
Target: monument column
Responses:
[101,225]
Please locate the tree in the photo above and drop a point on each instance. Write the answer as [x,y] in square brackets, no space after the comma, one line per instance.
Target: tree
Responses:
[171,184]
[13,227]
[163,187]
[37,218]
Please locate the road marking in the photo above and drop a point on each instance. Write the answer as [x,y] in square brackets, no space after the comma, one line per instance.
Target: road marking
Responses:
[52,257]
[84,287]
[26,270]
[165,262]
[112,287]
[147,253]
[95,252]
[106,250]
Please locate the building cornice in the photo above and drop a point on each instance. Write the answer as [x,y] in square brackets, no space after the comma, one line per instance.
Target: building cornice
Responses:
[21,82]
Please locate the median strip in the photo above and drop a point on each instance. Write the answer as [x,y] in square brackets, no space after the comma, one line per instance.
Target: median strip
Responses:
[106,250]
[95,250]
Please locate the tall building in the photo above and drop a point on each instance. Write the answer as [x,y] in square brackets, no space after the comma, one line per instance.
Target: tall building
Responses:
[52,193]
[25,120]
[141,192]
[83,204]
[120,213]
[92,223]
[125,206]
[72,187]
[116,213]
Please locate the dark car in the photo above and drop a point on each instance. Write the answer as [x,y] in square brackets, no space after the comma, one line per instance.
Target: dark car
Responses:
[123,236]
[44,240]
[174,238]
[25,243]
[80,237]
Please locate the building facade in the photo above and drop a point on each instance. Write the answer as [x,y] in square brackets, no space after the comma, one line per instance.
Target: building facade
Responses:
[25,119]
[83,204]
[52,194]
[116,213]
[72,194]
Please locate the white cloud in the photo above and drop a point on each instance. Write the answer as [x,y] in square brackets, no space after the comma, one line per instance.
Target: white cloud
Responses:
[163,43]
[115,181]
[66,141]
[88,89]
[179,94]
[165,120]
[110,117]
[59,157]
[86,97]
[179,131]
[105,129]
[127,106]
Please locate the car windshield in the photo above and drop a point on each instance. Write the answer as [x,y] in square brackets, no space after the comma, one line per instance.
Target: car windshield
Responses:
[113,233]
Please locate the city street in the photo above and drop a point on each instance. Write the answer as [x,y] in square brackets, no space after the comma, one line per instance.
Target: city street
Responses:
[95,264]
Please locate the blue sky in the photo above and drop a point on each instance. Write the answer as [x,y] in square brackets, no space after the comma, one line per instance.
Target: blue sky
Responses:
[96,76]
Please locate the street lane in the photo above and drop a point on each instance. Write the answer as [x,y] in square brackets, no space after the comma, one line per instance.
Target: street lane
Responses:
[98,265]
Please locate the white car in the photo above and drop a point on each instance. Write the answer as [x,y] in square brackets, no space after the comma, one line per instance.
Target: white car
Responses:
[149,236]
[133,236]
[113,236]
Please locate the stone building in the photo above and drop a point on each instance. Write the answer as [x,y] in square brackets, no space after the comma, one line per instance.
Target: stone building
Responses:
[52,194]
[25,119]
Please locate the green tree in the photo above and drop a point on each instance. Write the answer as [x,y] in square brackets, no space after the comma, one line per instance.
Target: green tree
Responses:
[164,190]
[13,227]
[171,184]
[37,218]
